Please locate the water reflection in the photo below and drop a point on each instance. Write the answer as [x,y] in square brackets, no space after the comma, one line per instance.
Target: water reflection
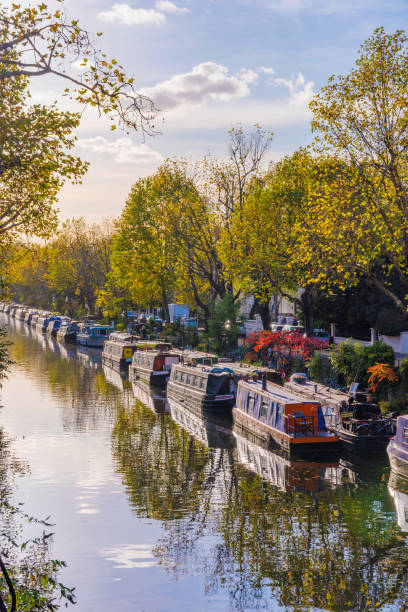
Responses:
[153,399]
[240,527]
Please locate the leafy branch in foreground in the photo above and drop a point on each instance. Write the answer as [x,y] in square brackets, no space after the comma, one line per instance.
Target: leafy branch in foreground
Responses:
[36,41]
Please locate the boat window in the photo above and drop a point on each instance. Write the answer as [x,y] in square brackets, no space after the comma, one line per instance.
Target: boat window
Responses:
[176,375]
[194,381]
[202,383]
[405,435]
[264,409]
[182,377]
[251,403]
[188,381]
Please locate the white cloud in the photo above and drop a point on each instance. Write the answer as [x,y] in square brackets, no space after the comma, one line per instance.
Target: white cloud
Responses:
[169,7]
[205,81]
[266,70]
[124,14]
[123,150]
[301,92]
[320,7]
[247,75]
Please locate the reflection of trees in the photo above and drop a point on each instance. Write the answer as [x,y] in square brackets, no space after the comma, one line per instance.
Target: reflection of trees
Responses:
[164,469]
[338,548]
[86,398]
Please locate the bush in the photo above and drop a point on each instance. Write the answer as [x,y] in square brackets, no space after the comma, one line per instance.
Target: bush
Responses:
[320,370]
[351,361]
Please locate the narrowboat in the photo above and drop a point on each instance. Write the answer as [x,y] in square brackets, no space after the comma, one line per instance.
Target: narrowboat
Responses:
[68,332]
[397,448]
[153,345]
[197,357]
[156,400]
[153,367]
[357,420]
[42,322]
[208,432]
[118,350]
[203,388]
[54,325]
[93,335]
[285,472]
[279,417]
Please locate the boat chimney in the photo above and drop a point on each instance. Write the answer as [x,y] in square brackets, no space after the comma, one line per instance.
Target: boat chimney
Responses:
[264,381]
[315,388]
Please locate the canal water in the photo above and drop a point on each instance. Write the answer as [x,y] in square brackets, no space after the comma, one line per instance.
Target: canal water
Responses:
[164,512]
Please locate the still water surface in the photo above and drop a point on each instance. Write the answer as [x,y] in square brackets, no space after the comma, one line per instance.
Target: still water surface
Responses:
[162,512]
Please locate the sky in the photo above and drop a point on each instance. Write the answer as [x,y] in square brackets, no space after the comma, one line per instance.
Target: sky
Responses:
[209,64]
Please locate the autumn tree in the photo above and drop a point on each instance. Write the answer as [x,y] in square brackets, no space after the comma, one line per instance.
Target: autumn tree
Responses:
[361,225]
[35,160]
[37,41]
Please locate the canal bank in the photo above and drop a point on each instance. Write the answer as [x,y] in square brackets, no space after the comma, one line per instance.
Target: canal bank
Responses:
[154,513]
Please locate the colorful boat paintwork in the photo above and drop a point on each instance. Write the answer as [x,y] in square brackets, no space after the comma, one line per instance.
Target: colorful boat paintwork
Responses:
[152,367]
[277,416]
[93,335]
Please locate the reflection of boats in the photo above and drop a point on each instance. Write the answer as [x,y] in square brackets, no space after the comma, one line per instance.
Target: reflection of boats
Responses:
[114,378]
[153,367]
[155,400]
[287,474]
[398,448]
[277,416]
[209,433]
[90,356]
[202,388]
[118,350]
[357,421]
[93,335]
[398,488]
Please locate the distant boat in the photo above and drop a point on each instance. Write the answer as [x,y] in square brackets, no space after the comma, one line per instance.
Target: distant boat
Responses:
[279,417]
[68,332]
[152,367]
[118,350]
[93,335]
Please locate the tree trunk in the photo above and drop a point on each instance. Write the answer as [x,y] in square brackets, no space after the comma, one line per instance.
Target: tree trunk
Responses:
[262,308]
[307,301]
[165,306]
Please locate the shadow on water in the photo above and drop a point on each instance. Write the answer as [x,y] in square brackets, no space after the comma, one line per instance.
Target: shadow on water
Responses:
[261,530]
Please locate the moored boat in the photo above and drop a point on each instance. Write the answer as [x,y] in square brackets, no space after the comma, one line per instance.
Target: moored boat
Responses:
[152,367]
[67,333]
[397,448]
[203,388]
[357,420]
[118,350]
[93,335]
[275,415]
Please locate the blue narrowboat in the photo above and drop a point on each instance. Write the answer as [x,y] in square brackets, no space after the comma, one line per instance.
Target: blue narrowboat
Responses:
[397,449]
[275,415]
[93,335]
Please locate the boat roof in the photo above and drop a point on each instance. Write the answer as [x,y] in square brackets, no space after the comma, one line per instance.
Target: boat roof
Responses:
[317,391]
[203,369]
[279,394]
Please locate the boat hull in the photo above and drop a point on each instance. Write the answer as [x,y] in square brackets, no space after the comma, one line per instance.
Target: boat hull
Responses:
[276,438]
[398,457]
[201,403]
[94,341]
[157,380]
[116,363]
